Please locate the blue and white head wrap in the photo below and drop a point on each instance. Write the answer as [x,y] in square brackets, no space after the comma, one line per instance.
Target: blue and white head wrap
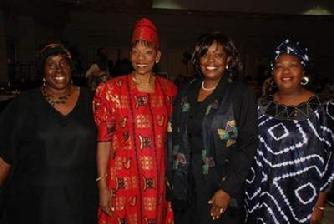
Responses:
[291,48]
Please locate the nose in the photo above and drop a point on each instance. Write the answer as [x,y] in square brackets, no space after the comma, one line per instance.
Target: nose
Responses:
[57,67]
[286,69]
[140,55]
[210,57]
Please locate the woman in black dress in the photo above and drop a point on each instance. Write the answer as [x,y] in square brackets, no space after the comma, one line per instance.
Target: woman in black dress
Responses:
[47,148]
[213,137]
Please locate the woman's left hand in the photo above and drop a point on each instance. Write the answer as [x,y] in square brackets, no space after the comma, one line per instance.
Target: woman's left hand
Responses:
[317,215]
[318,211]
[219,202]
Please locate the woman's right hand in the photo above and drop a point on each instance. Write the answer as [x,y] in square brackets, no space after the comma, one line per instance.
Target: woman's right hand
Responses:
[105,201]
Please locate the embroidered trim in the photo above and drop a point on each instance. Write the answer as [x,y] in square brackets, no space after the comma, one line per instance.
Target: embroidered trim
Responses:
[300,112]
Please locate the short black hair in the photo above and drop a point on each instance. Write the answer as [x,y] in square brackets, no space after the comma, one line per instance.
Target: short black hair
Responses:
[50,49]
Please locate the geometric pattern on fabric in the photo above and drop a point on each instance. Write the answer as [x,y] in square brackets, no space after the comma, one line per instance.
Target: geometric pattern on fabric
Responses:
[294,162]
[135,123]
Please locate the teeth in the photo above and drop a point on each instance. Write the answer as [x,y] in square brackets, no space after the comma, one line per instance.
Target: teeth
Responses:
[60,78]
[286,79]
[140,65]
[211,67]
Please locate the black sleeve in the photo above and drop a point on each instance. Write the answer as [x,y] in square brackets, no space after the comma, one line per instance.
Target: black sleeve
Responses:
[245,110]
[8,131]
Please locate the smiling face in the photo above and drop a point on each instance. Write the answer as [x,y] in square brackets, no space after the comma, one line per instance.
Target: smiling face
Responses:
[288,73]
[57,72]
[213,62]
[143,58]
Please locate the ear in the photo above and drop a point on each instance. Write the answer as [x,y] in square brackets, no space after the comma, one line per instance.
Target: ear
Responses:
[228,60]
[157,57]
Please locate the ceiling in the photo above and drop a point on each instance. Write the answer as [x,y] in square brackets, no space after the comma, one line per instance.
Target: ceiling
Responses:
[294,7]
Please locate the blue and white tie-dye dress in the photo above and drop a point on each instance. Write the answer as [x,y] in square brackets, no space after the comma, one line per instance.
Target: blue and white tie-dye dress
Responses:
[294,161]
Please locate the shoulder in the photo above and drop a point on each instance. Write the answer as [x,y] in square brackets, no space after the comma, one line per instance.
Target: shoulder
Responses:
[28,96]
[167,85]
[240,85]
[328,103]
[112,84]
[191,85]
[86,92]
[23,103]
[241,90]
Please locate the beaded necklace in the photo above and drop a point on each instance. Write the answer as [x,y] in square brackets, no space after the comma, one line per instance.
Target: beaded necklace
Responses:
[55,100]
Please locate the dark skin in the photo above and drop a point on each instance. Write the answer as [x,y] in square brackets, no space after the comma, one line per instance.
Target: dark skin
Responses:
[57,74]
[143,58]
[4,171]
[288,73]
[213,65]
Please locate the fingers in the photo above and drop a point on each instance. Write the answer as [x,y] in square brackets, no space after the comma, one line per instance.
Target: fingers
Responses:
[107,208]
[106,204]
[216,212]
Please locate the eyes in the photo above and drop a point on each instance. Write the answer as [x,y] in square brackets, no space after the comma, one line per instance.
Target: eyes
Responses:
[54,65]
[289,65]
[217,55]
[148,52]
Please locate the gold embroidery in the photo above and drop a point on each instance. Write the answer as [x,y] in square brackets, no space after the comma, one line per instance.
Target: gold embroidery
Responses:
[160,120]
[141,101]
[133,201]
[146,162]
[142,121]
[119,83]
[156,101]
[120,203]
[145,142]
[124,102]
[159,141]
[149,203]
[123,122]
[134,182]
[149,183]
[132,219]
[122,183]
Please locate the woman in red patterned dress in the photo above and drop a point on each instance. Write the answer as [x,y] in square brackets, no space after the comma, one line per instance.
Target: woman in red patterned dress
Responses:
[131,114]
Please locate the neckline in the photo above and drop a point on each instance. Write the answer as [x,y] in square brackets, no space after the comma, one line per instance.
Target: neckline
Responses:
[134,86]
[77,103]
[302,111]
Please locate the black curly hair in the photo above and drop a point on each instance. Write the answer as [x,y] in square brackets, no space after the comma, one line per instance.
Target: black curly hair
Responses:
[206,40]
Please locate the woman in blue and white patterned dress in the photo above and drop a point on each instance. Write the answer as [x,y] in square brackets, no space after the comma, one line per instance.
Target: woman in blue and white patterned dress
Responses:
[294,164]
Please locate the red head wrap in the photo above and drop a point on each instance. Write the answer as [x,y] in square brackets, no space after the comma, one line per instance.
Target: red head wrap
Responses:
[144,29]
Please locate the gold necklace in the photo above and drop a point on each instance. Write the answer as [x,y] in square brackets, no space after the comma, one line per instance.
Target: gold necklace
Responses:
[55,100]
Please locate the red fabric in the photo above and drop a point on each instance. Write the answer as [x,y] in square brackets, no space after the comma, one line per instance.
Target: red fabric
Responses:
[144,29]
[136,124]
